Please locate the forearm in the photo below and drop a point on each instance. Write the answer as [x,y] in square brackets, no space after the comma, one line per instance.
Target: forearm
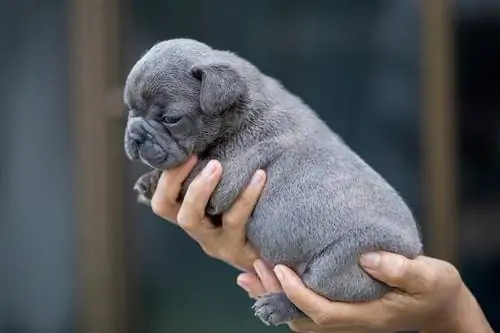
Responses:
[466,317]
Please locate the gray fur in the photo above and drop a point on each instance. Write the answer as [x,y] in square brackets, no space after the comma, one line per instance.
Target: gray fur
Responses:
[322,205]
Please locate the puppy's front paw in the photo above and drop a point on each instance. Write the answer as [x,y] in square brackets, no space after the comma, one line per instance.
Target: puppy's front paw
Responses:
[276,309]
[145,186]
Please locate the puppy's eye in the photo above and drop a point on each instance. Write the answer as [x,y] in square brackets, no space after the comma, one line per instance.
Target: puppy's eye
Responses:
[161,105]
[170,119]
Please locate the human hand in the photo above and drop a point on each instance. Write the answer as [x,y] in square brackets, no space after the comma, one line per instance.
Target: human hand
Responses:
[228,242]
[428,293]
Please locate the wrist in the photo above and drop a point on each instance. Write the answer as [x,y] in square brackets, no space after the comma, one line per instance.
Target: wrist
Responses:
[464,315]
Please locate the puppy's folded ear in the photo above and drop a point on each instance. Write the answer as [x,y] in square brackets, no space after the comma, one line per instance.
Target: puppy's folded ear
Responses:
[222,86]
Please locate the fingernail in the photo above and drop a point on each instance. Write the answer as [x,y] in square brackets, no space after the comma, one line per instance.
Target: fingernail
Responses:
[252,296]
[209,169]
[243,285]
[257,178]
[280,274]
[370,260]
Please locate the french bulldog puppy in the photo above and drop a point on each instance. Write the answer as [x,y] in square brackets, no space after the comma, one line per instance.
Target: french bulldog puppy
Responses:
[322,206]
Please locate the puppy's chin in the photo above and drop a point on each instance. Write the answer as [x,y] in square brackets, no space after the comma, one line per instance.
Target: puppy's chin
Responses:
[149,164]
[161,160]
[158,162]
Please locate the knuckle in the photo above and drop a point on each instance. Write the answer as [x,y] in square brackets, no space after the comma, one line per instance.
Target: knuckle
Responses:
[250,252]
[453,278]
[450,270]
[159,207]
[399,270]
[231,220]
[185,221]
[209,251]
[435,276]
[432,280]
[237,218]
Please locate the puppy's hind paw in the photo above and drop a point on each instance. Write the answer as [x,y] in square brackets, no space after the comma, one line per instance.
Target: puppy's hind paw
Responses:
[276,309]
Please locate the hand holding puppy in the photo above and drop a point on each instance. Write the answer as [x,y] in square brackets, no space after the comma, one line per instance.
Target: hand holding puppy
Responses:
[228,242]
[429,296]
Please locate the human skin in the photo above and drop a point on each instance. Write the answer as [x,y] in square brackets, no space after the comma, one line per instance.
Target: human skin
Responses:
[429,295]
[190,216]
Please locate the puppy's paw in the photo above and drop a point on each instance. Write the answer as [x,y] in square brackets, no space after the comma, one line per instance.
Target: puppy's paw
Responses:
[276,309]
[145,186]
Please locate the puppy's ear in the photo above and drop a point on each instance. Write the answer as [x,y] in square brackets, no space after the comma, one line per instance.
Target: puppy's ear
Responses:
[222,86]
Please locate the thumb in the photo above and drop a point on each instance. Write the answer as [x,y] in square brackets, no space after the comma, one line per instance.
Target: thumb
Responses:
[411,276]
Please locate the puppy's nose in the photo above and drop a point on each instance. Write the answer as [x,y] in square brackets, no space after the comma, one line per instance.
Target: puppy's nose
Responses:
[133,142]
[136,139]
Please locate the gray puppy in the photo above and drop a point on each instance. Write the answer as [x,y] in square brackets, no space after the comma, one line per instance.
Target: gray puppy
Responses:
[322,205]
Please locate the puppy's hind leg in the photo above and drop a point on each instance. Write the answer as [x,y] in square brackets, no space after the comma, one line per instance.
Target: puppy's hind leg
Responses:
[332,275]
[346,283]
[336,274]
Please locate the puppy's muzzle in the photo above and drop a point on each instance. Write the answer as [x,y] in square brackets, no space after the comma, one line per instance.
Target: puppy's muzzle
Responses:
[149,142]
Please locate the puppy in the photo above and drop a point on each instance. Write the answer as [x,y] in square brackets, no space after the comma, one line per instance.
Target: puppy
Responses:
[322,206]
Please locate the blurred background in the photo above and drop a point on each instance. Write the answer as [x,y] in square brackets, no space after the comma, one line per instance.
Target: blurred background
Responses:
[412,86]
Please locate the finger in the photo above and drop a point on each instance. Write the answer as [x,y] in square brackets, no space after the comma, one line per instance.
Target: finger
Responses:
[322,311]
[251,284]
[303,325]
[191,215]
[306,300]
[308,326]
[233,231]
[267,277]
[164,201]
[412,276]
[234,220]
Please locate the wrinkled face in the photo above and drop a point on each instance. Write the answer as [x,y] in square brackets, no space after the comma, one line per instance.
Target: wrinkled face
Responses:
[163,97]
[182,95]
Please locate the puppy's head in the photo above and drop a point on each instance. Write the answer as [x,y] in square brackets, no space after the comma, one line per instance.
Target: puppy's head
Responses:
[182,96]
